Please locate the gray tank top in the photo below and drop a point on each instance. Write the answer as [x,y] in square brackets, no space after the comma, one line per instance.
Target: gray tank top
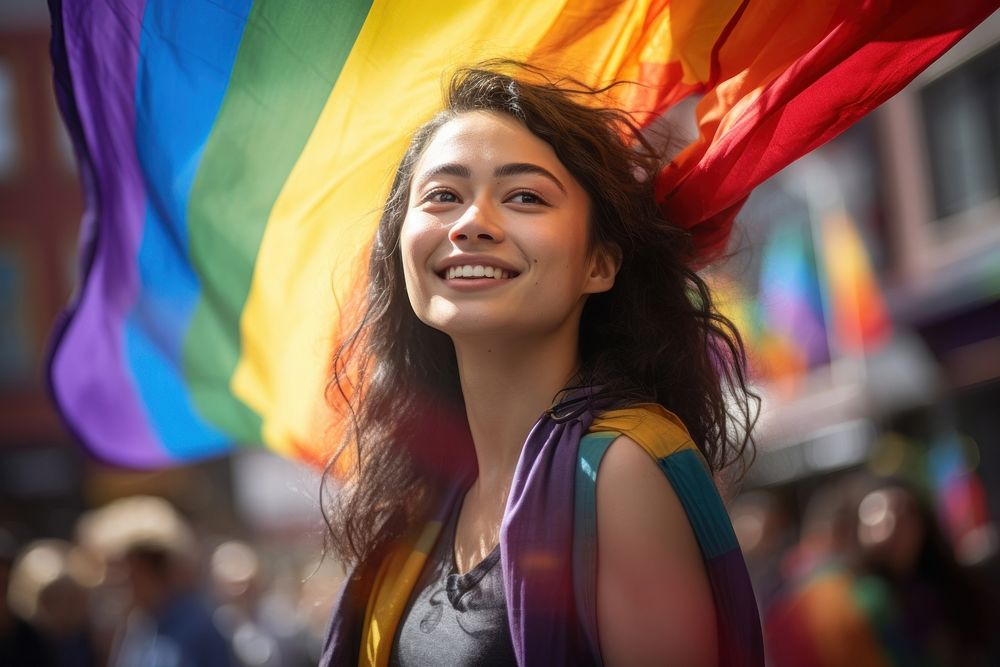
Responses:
[455,619]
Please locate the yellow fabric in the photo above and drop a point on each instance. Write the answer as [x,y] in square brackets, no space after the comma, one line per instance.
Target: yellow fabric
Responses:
[656,429]
[394,582]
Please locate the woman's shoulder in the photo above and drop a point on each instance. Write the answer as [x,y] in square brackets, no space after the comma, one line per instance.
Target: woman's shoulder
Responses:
[646,449]
[636,493]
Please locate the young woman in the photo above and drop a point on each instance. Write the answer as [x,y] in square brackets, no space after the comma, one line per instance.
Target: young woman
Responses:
[530,319]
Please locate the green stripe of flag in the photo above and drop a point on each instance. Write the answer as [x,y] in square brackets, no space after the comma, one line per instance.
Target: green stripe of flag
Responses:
[289,59]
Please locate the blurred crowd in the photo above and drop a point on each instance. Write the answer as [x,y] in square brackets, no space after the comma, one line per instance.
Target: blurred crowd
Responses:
[865,576]
[140,586]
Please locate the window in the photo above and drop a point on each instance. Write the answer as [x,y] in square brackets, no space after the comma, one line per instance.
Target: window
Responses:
[962,119]
[17,354]
[8,123]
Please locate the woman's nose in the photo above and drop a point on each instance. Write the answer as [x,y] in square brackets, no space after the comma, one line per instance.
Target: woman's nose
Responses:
[477,224]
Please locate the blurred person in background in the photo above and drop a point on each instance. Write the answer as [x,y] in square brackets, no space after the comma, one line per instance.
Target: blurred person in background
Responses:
[828,534]
[168,623]
[50,586]
[256,616]
[20,643]
[925,609]
[874,583]
[765,533]
[816,620]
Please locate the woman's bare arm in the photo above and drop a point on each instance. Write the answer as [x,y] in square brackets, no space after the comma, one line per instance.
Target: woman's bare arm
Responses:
[654,602]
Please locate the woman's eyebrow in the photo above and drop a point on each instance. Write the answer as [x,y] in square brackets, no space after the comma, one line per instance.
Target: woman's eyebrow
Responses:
[515,168]
[448,169]
[503,171]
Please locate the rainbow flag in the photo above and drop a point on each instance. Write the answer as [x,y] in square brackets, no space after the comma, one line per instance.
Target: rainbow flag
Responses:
[858,312]
[794,330]
[233,154]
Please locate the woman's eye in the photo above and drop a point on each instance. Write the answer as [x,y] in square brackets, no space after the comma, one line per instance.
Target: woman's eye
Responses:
[526,198]
[441,197]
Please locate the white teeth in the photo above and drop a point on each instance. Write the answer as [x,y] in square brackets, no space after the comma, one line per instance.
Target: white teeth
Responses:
[476,271]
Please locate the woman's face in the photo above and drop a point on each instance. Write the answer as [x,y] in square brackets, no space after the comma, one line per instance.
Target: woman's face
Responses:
[495,240]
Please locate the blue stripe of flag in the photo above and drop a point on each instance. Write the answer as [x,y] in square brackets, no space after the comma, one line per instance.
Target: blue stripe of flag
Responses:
[186,56]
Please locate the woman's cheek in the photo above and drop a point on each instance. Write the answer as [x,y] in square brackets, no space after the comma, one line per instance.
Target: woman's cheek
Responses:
[416,248]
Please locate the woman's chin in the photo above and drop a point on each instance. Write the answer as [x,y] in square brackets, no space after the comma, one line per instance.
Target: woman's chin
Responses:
[505,329]
[471,326]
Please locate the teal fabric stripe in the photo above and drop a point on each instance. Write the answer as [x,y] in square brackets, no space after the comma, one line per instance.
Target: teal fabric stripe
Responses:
[701,502]
[592,450]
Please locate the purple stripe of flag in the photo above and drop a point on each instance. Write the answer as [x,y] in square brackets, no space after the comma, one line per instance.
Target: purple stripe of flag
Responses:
[87,373]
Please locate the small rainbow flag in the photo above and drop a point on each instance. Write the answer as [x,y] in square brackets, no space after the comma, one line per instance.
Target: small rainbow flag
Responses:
[859,317]
[794,330]
[233,154]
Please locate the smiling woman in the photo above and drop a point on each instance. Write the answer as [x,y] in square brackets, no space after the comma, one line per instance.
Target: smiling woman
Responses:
[539,389]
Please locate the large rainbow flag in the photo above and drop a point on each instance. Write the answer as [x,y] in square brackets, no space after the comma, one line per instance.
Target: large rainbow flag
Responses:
[233,154]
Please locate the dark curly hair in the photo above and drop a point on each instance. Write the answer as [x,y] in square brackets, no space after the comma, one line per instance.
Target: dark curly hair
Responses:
[654,337]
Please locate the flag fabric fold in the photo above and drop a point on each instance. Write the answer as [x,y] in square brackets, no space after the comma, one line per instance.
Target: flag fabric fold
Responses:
[233,154]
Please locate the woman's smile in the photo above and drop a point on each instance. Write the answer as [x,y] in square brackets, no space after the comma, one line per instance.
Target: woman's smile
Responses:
[467,271]
[471,273]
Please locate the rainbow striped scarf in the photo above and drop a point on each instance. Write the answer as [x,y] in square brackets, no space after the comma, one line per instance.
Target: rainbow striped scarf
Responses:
[550,524]
[233,152]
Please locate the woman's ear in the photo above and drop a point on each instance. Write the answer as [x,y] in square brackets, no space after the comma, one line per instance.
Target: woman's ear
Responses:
[604,264]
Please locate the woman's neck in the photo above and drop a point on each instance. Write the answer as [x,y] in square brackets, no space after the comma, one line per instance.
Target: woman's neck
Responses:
[507,385]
